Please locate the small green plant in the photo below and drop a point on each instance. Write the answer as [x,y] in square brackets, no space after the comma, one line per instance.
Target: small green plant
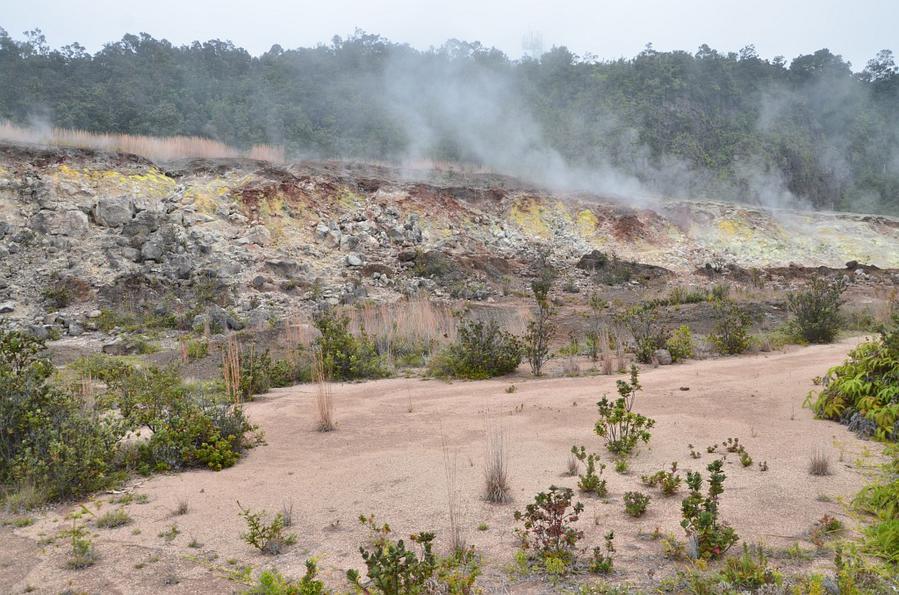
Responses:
[196,349]
[618,424]
[621,465]
[730,334]
[590,481]
[601,562]
[745,459]
[750,570]
[170,534]
[392,568]
[667,481]
[825,528]
[710,537]
[548,524]
[635,503]
[113,519]
[82,553]
[816,311]
[483,526]
[270,582]
[269,538]
[646,326]
[680,344]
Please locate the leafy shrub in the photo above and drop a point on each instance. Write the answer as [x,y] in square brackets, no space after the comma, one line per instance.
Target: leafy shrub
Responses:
[863,391]
[667,481]
[269,538]
[730,334]
[540,329]
[645,324]
[196,349]
[621,427]
[189,428]
[255,373]
[482,350]
[458,572]
[548,524]
[590,482]
[50,439]
[680,343]
[816,311]
[344,356]
[710,537]
[635,503]
[271,582]
[394,569]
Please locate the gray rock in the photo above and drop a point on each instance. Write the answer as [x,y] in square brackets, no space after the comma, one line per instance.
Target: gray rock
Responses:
[153,249]
[663,356]
[113,212]
[285,267]
[4,229]
[7,307]
[321,231]
[75,329]
[119,347]
[354,260]
[39,331]
[258,282]
[218,320]
[259,235]
[396,233]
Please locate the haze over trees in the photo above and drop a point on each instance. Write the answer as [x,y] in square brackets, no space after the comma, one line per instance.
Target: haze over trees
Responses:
[730,126]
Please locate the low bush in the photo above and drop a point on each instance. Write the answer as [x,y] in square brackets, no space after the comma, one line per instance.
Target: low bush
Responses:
[750,570]
[863,391]
[270,582]
[730,334]
[267,537]
[816,311]
[548,525]
[710,537]
[680,345]
[667,481]
[82,554]
[635,503]
[648,329]
[392,568]
[113,519]
[481,350]
[540,328]
[50,440]
[345,356]
[601,562]
[618,424]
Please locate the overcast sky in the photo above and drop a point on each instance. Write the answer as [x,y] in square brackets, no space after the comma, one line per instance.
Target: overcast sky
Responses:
[609,30]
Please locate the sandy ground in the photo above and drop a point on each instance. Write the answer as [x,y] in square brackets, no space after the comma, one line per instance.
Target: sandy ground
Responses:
[386,458]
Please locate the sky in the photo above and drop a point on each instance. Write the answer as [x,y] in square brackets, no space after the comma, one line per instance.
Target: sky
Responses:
[607,30]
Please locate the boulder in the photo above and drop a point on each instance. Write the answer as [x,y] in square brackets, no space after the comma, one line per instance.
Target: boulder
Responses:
[113,212]
[7,307]
[259,235]
[120,347]
[354,260]
[663,356]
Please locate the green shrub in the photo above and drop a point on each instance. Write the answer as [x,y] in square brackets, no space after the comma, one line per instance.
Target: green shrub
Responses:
[541,328]
[271,582]
[816,311]
[391,567]
[481,350]
[621,427]
[730,334]
[548,529]
[344,356]
[590,482]
[645,324]
[50,439]
[680,343]
[82,554]
[255,373]
[667,481]
[710,538]
[196,349]
[189,427]
[635,503]
[269,538]
[863,391]
[601,562]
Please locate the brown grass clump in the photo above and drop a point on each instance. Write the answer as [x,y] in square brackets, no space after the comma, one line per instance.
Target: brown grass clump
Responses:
[231,369]
[496,473]
[324,398]
[457,536]
[819,464]
[151,147]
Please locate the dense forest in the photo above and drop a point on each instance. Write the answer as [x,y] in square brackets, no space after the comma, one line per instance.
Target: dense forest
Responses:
[721,125]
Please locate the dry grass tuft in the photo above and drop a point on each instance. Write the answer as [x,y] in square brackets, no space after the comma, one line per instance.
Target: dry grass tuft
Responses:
[457,536]
[573,466]
[496,473]
[152,147]
[231,369]
[324,397]
[819,464]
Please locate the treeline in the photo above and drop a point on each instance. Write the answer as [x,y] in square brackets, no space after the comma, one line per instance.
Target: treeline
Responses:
[731,126]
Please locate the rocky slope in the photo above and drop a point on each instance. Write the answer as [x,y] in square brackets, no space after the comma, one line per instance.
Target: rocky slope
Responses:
[82,232]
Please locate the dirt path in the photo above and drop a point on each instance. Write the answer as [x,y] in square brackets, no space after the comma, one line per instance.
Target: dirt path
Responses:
[386,458]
